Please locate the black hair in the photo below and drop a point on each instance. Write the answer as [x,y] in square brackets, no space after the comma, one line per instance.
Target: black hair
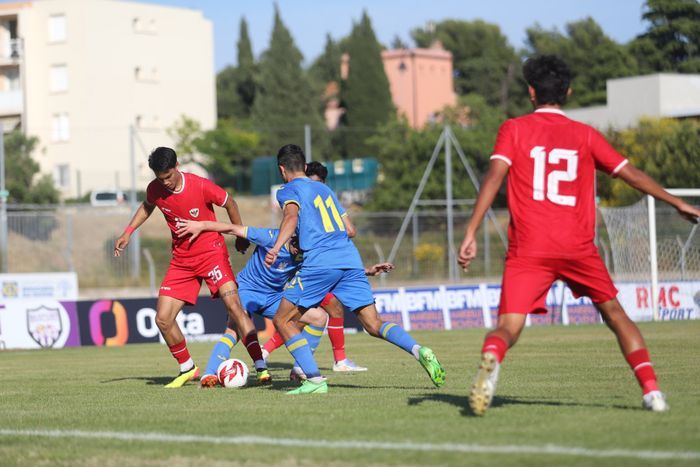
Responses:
[318,169]
[291,157]
[162,159]
[549,76]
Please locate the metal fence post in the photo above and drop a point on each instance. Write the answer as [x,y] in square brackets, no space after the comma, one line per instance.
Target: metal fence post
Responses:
[3,205]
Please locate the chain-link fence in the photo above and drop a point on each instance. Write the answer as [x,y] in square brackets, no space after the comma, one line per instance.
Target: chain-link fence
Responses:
[80,238]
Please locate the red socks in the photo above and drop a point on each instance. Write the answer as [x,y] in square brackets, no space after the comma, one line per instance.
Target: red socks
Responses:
[253,346]
[643,370]
[180,352]
[273,342]
[336,333]
[495,345]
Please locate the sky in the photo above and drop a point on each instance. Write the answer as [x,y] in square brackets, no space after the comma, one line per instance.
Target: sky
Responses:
[310,20]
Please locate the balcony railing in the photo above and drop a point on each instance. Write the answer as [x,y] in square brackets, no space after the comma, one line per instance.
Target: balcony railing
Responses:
[11,50]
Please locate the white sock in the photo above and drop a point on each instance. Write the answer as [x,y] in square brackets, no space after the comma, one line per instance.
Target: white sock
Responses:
[187,366]
[415,350]
[260,365]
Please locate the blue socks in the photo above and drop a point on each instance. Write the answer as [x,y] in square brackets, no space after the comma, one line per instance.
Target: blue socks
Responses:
[397,336]
[299,347]
[313,335]
[220,353]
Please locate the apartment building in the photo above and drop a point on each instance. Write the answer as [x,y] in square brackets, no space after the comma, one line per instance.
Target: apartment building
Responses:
[96,80]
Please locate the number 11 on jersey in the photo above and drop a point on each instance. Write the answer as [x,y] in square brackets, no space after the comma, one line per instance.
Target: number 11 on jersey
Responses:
[327,224]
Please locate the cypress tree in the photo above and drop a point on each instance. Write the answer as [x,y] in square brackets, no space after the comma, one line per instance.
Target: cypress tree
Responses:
[365,93]
[245,85]
[284,100]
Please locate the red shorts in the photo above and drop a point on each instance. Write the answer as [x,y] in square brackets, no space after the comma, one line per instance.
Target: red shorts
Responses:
[527,280]
[184,277]
[327,299]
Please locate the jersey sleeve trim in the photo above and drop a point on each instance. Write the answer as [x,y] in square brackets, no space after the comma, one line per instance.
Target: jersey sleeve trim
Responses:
[245,231]
[345,214]
[503,158]
[291,201]
[619,167]
[225,200]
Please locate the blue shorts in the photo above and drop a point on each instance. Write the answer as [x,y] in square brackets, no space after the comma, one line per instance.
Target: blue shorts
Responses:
[262,303]
[308,288]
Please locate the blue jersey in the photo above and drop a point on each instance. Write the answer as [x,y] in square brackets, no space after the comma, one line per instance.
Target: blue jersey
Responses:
[255,275]
[321,231]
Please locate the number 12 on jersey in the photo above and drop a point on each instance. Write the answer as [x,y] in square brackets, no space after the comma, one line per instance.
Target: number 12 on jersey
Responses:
[327,224]
[555,176]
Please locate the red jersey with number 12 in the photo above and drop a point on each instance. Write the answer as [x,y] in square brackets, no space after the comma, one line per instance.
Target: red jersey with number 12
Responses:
[194,201]
[551,183]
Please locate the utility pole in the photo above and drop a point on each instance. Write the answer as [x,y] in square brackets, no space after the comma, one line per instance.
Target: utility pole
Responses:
[135,237]
[307,142]
[3,204]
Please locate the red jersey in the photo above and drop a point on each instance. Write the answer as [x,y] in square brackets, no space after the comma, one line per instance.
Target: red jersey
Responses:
[551,183]
[194,201]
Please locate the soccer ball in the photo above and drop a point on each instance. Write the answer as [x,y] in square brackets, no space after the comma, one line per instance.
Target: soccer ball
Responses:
[232,373]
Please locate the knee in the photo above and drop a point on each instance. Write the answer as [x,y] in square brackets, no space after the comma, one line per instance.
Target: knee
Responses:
[373,327]
[164,322]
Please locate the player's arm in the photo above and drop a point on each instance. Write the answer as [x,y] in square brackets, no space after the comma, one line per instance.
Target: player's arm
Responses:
[142,213]
[234,215]
[641,181]
[192,229]
[379,268]
[290,220]
[349,226]
[498,169]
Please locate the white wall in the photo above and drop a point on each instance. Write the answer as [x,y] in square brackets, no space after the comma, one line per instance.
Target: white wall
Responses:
[173,47]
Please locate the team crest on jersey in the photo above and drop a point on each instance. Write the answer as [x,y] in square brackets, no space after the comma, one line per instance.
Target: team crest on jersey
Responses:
[282,265]
[194,212]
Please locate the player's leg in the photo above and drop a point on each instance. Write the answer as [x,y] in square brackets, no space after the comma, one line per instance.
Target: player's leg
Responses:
[245,328]
[526,282]
[355,292]
[179,286]
[590,277]
[166,311]
[312,324]
[286,322]
[336,334]
[220,353]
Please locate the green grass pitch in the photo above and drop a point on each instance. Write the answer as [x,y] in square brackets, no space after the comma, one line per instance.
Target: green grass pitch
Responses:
[565,397]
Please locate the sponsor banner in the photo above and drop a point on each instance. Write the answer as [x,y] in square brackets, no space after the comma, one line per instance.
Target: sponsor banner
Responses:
[425,307]
[129,321]
[390,307]
[58,286]
[466,306]
[38,324]
[678,300]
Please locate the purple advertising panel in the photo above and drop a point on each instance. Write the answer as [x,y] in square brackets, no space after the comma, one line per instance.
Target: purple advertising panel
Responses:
[465,305]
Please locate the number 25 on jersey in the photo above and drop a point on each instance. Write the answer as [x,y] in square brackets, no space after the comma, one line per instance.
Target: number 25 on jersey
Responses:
[555,156]
[326,219]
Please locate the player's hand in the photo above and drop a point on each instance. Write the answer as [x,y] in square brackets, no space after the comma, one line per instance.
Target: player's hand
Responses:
[189,228]
[270,257]
[688,212]
[242,245]
[467,252]
[121,243]
[379,269]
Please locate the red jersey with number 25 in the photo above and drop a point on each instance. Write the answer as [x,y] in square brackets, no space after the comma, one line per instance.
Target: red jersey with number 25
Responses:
[551,183]
[194,201]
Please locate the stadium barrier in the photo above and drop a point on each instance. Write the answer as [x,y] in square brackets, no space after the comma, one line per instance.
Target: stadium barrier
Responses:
[44,319]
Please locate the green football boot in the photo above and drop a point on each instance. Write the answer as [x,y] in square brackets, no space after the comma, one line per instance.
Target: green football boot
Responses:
[427,358]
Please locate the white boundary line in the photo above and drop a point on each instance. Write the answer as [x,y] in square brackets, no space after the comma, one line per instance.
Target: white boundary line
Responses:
[547,449]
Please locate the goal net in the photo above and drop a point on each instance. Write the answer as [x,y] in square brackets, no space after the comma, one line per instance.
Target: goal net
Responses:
[654,257]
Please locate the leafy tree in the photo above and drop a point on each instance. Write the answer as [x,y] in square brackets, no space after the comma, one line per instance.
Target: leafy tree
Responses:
[672,40]
[235,86]
[592,56]
[404,152]
[365,93]
[284,100]
[484,62]
[666,149]
[225,152]
[22,183]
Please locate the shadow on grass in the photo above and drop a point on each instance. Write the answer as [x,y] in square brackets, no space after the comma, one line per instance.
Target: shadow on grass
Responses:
[462,402]
[150,380]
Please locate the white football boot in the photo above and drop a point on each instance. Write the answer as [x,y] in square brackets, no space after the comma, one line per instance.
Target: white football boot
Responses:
[655,401]
[484,385]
